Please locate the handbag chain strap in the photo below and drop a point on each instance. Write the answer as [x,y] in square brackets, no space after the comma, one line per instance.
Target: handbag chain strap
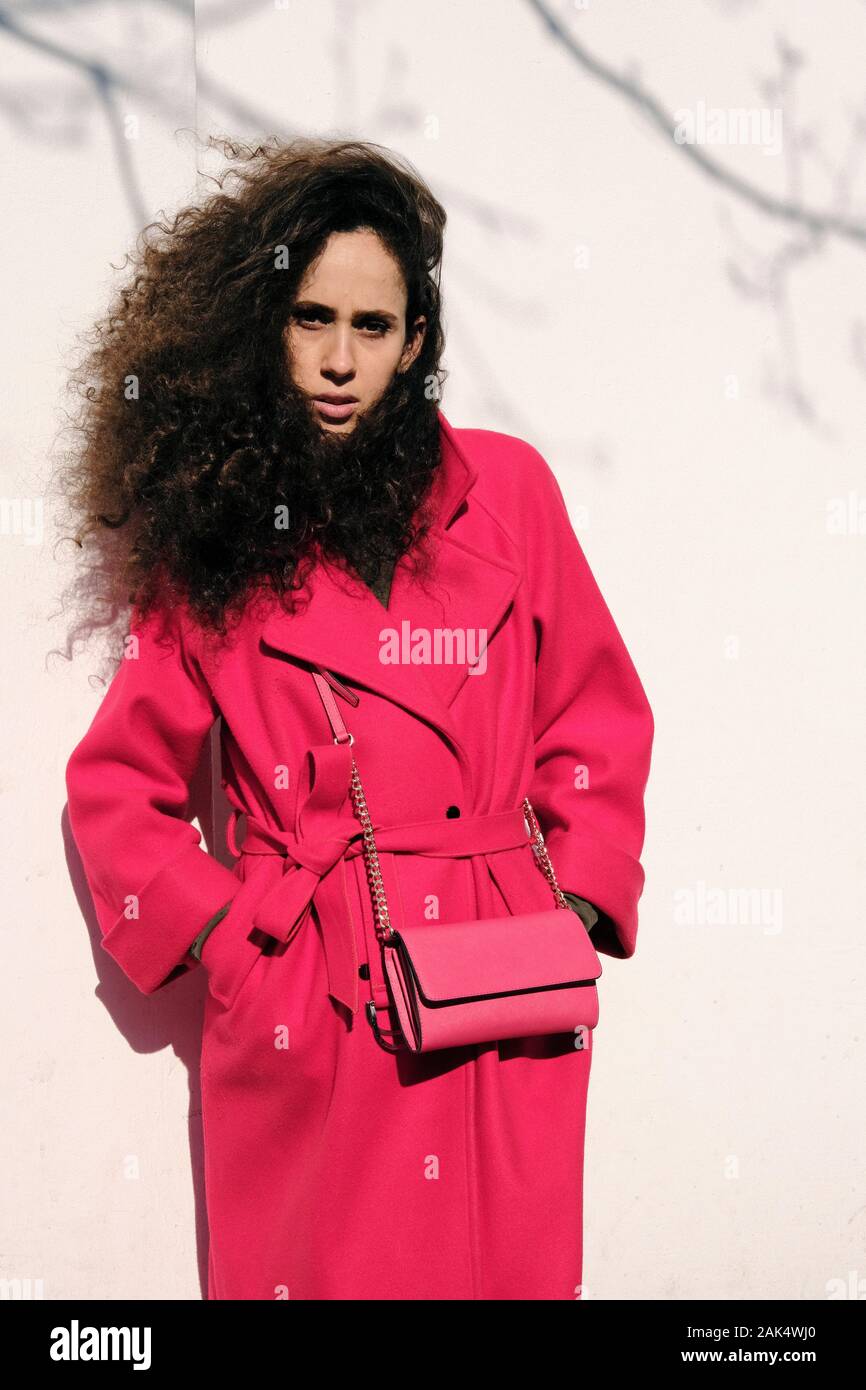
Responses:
[384,929]
[542,855]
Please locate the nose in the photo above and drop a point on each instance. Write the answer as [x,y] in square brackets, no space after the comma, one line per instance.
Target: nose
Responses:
[338,358]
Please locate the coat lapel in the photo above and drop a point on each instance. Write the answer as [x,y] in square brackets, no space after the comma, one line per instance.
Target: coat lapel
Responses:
[340,624]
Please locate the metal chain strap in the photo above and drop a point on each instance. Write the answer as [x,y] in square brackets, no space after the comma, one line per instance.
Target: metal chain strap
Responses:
[541,852]
[384,929]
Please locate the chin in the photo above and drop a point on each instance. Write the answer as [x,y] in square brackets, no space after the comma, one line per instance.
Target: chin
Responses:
[337,426]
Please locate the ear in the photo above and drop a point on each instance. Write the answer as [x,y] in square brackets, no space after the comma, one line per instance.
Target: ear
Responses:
[413,346]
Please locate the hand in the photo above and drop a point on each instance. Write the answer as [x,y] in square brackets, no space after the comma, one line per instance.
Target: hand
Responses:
[585,910]
[195,949]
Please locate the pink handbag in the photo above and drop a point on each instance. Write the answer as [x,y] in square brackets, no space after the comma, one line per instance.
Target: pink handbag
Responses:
[453,984]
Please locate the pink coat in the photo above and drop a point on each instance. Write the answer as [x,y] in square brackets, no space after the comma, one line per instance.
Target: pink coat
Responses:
[334,1169]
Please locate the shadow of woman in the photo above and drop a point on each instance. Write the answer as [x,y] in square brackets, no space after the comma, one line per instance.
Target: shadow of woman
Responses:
[173,1015]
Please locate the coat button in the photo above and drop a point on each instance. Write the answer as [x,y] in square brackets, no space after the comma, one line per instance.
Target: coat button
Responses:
[364,971]
[452,812]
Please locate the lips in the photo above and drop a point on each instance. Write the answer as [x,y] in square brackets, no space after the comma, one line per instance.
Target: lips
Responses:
[335,407]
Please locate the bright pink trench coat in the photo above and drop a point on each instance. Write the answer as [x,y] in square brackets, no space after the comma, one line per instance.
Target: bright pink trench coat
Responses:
[334,1169]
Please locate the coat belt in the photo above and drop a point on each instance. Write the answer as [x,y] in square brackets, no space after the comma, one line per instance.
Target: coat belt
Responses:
[311,857]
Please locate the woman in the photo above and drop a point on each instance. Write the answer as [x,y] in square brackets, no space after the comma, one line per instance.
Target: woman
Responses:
[265,453]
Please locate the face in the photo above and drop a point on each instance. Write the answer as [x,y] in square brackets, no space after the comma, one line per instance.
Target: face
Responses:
[346,335]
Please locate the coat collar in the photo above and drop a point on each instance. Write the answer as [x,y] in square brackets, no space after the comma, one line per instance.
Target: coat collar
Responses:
[340,624]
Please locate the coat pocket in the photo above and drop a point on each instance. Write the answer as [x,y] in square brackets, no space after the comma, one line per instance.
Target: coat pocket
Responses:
[228,957]
[234,947]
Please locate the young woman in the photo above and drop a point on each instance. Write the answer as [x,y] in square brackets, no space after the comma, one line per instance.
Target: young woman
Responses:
[264,454]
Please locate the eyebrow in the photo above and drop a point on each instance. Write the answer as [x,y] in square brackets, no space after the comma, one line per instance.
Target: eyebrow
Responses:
[307,306]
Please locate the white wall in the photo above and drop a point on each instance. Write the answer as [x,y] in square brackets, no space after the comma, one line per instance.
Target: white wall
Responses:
[692,366]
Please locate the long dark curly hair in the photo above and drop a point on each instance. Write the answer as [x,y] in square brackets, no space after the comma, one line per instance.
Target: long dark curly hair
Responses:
[189,436]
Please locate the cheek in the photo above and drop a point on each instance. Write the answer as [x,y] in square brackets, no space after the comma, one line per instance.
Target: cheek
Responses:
[298,355]
[386,364]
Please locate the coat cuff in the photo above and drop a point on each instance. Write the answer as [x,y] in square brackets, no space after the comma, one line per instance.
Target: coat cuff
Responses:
[606,876]
[152,947]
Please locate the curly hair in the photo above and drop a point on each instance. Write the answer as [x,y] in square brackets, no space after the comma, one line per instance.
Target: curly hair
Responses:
[190,436]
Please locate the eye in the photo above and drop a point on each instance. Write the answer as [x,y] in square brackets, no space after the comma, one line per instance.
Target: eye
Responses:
[314,318]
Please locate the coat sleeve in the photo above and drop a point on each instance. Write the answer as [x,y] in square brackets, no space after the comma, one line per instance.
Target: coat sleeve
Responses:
[593,727]
[127,781]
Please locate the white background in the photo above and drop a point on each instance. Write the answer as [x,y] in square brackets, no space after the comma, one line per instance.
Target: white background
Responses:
[691,363]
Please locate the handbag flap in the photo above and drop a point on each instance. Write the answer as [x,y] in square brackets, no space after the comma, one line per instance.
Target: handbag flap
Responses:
[503,955]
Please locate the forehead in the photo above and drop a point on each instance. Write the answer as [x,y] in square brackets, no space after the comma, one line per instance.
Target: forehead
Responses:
[355,270]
